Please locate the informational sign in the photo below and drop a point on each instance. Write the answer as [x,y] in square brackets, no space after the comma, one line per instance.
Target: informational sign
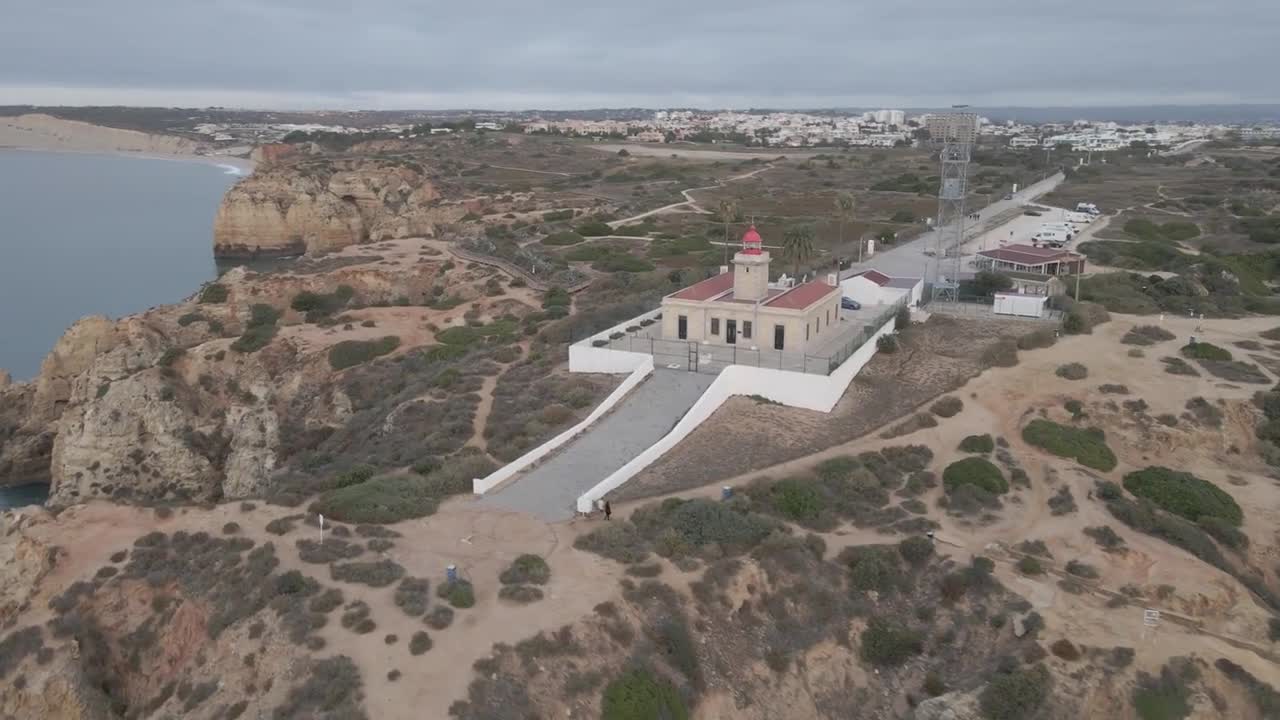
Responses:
[1150,618]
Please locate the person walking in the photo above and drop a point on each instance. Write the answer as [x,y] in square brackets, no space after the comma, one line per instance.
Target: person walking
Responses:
[608,511]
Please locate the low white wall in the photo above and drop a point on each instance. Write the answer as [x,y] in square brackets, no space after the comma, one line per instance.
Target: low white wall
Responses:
[813,392]
[620,327]
[641,367]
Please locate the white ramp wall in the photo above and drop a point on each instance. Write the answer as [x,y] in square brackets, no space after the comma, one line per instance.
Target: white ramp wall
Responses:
[639,365]
[813,392]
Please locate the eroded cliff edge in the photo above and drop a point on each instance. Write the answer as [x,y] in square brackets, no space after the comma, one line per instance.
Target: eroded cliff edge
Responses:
[296,202]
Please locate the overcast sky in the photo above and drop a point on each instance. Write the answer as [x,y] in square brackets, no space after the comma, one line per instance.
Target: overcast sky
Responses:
[500,54]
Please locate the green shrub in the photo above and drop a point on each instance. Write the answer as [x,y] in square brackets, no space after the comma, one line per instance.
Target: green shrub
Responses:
[1087,446]
[1205,351]
[618,541]
[526,569]
[887,344]
[350,353]
[1183,494]
[557,215]
[889,643]
[556,297]
[1072,371]
[1030,566]
[796,500]
[354,476]
[916,550]
[567,237]
[640,695]
[254,338]
[213,293]
[978,444]
[594,228]
[380,500]
[975,471]
[1015,695]
[458,593]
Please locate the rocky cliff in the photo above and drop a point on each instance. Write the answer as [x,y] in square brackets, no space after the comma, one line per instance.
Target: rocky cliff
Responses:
[309,206]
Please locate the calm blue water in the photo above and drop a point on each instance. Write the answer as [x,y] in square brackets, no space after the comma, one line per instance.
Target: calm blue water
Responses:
[96,234]
[22,495]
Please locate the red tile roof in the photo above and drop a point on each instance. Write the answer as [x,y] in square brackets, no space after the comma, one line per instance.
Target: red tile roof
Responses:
[802,296]
[707,289]
[1028,255]
[874,276]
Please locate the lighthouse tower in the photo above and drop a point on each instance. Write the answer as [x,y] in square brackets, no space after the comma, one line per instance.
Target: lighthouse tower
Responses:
[751,268]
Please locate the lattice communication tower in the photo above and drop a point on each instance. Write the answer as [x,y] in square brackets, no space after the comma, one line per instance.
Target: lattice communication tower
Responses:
[949,234]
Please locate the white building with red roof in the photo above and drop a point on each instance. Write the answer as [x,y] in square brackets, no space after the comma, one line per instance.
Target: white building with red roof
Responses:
[741,307]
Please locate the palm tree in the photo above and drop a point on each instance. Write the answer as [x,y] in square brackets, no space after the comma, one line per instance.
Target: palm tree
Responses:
[728,210]
[797,245]
[844,213]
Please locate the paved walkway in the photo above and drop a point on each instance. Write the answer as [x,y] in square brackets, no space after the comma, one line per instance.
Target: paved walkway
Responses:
[550,489]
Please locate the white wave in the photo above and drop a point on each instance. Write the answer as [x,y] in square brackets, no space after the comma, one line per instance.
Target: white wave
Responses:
[231,169]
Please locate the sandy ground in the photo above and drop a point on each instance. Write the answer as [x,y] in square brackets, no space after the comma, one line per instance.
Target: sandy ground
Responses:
[999,400]
[47,133]
[480,544]
[1222,619]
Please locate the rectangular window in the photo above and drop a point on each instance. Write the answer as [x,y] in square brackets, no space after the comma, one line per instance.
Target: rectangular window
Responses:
[682,327]
[806,331]
[828,318]
[779,337]
[715,326]
[746,329]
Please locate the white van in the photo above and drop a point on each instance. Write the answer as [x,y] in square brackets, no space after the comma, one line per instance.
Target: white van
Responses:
[1079,218]
[1088,208]
[1052,238]
[1064,228]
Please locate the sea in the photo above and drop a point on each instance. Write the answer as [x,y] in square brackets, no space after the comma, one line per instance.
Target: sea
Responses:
[84,234]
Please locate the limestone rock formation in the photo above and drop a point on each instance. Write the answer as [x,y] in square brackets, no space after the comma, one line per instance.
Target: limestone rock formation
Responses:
[284,210]
[952,706]
[24,561]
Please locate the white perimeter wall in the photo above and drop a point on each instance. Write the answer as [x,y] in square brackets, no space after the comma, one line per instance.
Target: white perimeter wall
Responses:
[812,392]
[640,365]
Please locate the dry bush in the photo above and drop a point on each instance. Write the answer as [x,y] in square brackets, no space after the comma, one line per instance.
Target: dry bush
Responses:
[380,573]
[946,407]
[329,551]
[413,595]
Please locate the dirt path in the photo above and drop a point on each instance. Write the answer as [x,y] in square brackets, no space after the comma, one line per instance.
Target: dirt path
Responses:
[481,419]
[689,199]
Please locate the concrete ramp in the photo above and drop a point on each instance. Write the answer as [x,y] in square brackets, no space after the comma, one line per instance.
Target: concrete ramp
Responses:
[550,489]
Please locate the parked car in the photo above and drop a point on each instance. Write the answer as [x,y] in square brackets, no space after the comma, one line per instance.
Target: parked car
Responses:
[1032,213]
[849,304]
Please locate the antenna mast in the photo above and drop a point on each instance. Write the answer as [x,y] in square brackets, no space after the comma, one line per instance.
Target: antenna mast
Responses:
[959,130]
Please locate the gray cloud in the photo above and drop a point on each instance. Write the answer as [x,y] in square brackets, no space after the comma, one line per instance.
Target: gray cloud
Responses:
[583,53]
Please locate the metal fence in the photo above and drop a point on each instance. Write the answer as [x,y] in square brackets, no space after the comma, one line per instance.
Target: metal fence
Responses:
[708,358]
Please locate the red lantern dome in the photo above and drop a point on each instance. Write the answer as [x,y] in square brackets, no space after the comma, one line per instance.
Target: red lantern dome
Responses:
[751,242]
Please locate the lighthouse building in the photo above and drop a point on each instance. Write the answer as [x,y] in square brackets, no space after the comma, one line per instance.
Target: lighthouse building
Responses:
[741,307]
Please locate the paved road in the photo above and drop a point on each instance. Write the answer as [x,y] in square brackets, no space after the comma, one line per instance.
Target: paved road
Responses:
[909,259]
[551,489]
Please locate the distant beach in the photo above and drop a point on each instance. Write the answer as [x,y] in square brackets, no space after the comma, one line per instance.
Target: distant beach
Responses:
[49,134]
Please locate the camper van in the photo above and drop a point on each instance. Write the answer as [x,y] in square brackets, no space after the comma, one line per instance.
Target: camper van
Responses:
[1051,238]
[1089,208]
[1080,218]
